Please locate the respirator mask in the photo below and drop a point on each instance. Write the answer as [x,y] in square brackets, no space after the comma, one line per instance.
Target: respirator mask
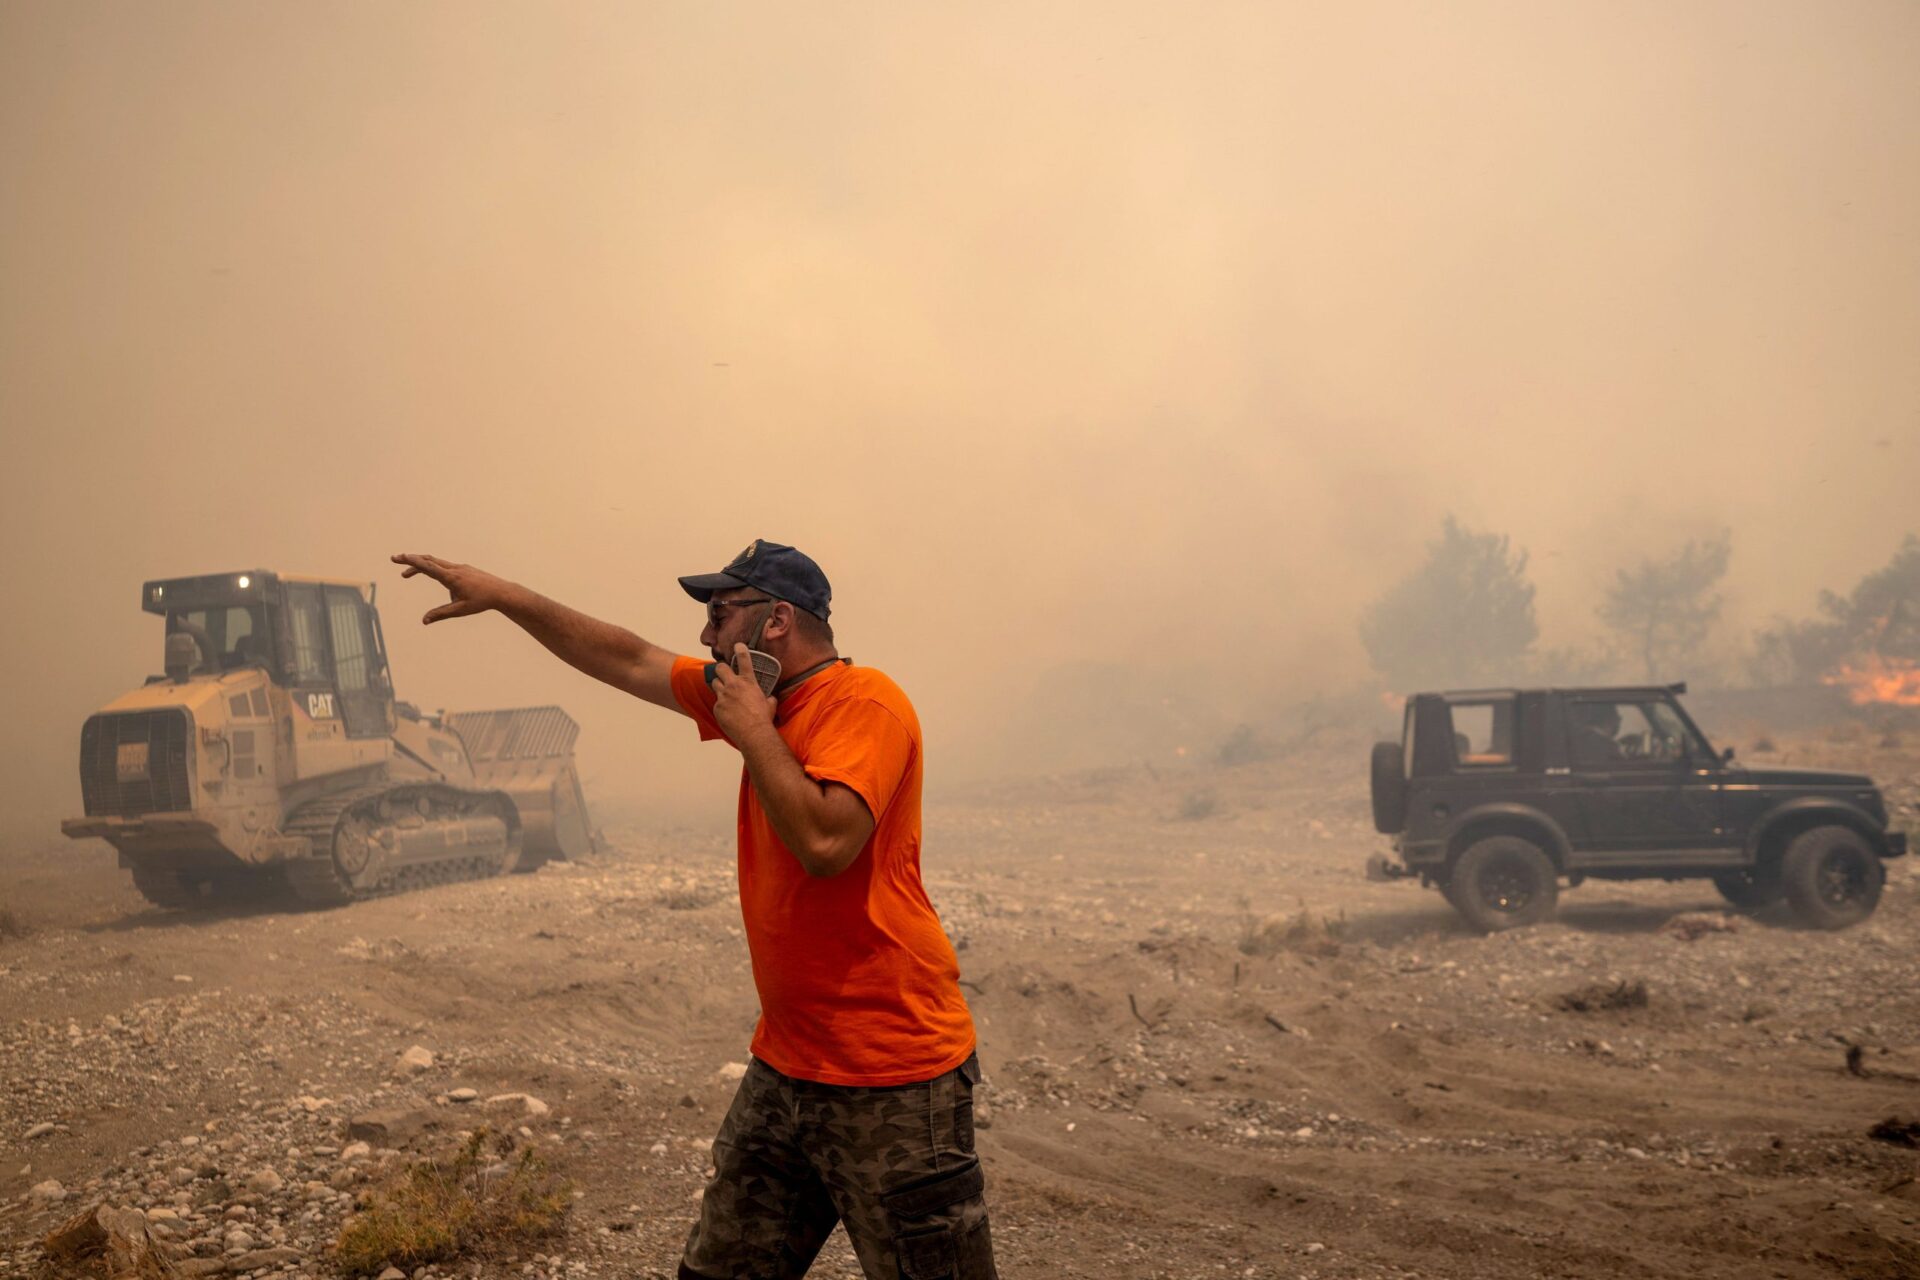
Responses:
[766,667]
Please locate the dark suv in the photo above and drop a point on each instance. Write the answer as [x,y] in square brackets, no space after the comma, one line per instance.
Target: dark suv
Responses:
[1494,795]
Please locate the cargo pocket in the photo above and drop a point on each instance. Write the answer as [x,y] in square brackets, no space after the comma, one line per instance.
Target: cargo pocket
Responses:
[969,1077]
[939,1226]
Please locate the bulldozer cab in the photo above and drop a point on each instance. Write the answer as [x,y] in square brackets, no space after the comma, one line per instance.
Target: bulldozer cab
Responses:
[317,638]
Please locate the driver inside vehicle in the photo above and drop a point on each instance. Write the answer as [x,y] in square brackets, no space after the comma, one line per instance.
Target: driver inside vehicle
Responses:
[1594,741]
[247,651]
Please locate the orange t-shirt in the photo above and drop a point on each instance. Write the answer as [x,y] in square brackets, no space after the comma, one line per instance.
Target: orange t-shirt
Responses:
[858,983]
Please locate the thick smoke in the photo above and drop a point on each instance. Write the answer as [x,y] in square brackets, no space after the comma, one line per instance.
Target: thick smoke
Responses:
[1111,360]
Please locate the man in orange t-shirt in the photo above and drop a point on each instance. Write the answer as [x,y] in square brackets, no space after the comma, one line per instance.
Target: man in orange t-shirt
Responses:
[858,1105]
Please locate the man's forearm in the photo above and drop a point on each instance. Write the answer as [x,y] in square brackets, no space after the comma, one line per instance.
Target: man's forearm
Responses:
[599,649]
[793,801]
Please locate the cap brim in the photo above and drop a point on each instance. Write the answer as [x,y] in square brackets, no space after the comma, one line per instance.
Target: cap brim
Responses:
[701,586]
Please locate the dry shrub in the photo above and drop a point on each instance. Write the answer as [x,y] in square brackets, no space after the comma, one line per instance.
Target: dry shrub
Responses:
[1302,933]
[1900,1132]
[11,926]
[689,897]
[1764,745]
[1196,805]
[1690,926]
[485,1200]
[1598,997]
[1244,746]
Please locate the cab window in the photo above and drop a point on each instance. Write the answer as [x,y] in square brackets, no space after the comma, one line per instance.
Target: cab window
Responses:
[229,634]
[347,623]
[307,643]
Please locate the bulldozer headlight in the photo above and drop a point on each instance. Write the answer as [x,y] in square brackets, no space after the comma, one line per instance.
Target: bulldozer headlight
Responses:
[245,581]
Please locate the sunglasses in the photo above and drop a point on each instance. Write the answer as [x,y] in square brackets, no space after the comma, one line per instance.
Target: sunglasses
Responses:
[716,609]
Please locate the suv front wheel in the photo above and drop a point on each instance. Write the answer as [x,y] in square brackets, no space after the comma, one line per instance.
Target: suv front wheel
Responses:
[1832,877]
[1502,882]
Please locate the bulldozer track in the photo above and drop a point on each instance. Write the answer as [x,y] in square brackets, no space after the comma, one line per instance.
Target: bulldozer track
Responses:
[317,879]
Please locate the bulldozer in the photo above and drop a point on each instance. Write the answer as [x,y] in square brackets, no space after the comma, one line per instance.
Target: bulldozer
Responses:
[272,749]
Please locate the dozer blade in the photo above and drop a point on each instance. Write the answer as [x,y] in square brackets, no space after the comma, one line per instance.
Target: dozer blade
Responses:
[527,752]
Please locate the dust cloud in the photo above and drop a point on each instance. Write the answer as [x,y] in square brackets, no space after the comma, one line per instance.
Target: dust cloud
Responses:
[1107,356]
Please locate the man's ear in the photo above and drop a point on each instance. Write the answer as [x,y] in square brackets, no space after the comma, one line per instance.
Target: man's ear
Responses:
[779,621]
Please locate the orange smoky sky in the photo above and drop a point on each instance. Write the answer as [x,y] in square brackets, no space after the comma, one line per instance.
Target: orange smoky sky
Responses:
[1149,335]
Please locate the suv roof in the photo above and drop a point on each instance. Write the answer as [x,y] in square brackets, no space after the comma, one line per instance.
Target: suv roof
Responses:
[1679,687]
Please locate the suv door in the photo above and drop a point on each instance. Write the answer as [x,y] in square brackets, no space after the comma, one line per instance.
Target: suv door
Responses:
[1645,780]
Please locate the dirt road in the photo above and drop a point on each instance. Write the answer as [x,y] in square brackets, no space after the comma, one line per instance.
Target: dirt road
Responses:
[1213,1050]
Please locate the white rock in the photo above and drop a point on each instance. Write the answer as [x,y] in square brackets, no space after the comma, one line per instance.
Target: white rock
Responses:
[1314,1246]
[183,977]
[657,1149]
[732,1071]
[462,1094]
[48,1192]
[311,1104]
[525,1103]
[40,1130]
[413,1061]
[393,1273]
[356,1151]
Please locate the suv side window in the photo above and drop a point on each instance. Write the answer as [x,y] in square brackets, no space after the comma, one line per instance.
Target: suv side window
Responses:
[1605,734]
[1483,733]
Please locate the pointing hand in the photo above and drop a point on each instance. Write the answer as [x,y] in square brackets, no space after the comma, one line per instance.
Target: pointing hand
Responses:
[472,590]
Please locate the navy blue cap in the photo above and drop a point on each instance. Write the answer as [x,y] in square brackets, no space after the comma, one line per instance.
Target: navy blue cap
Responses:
[774,568]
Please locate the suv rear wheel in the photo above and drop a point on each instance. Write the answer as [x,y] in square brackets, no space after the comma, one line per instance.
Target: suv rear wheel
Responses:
[1751,890]
[1503,882]
[1832,877]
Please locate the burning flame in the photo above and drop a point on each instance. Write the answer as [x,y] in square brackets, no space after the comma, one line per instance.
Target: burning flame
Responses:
[1876,680]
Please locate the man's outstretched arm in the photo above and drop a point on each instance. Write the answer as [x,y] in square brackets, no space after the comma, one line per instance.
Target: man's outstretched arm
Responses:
[600,649]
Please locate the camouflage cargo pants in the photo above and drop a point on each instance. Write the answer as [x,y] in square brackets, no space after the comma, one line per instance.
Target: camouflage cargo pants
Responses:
[895,1163]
